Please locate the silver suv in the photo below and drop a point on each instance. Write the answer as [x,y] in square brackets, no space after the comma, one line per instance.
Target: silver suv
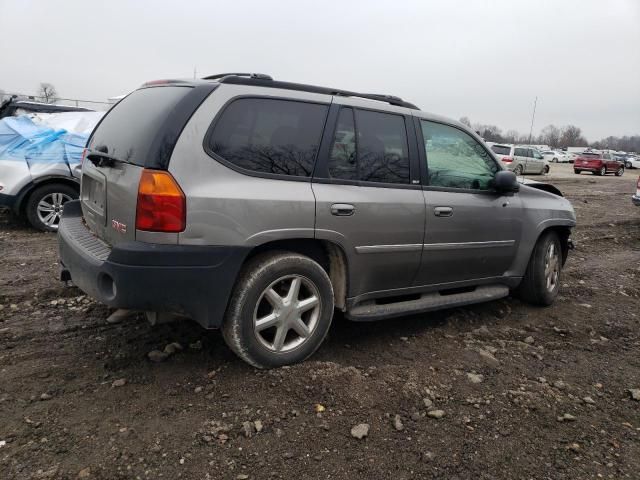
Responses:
[259,206]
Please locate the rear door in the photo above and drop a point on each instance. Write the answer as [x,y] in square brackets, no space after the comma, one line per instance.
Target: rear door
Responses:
[472,232]
[367,197]
[139,131]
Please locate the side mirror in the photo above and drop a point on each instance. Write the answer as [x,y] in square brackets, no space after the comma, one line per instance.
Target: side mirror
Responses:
[506,181]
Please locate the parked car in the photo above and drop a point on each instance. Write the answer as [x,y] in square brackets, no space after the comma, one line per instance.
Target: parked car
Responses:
[259,206]
[40,163]
[521,160]
[598,164]
[636,198]
[555,156]
[631,161]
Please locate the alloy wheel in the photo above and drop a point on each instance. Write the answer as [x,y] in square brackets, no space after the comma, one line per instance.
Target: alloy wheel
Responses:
[287,313]
[551,267]
[50,208]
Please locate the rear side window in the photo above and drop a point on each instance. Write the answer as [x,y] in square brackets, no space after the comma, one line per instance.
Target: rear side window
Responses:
[130,128]
[371,148]
[521,152]
[269,135]
[501,149]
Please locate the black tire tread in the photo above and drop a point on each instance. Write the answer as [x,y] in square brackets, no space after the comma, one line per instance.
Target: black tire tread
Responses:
[529,289]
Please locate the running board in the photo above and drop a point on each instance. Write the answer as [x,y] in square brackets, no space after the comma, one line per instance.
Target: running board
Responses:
[426,303]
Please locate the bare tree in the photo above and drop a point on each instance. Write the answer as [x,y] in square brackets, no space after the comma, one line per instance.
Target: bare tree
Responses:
[571,136]
[465,121]
[550,135]
[47,93]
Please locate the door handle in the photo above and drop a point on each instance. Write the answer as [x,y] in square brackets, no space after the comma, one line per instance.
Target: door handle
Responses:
[342,209]
[443,211]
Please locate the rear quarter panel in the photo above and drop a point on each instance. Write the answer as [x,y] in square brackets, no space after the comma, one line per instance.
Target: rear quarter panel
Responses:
[226,207]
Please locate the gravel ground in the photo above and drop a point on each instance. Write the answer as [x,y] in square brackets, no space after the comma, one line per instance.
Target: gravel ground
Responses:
[495,391]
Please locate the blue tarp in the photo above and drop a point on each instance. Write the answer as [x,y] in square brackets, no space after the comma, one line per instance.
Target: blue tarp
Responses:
[23,140]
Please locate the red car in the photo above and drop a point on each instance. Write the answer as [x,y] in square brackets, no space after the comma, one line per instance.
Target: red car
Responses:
[598,163]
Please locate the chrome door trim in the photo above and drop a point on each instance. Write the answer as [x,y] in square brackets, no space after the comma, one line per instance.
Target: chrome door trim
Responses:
[409,247]
[464,245]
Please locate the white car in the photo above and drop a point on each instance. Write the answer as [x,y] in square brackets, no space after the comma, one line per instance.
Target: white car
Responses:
[632,161]
[555,156]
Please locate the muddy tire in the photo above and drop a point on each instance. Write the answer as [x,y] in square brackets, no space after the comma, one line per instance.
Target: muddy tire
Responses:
[280,310]
[541,281]
[44,207]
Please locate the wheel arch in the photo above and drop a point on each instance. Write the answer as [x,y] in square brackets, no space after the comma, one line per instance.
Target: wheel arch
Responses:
[329,255]
[23,197]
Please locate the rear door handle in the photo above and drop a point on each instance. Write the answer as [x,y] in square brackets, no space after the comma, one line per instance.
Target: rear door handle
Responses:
[443,211]
[342,209]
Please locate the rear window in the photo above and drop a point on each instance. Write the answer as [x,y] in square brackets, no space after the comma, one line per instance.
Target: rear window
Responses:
[269,135]
[590,155]
[129,129]
[501,149]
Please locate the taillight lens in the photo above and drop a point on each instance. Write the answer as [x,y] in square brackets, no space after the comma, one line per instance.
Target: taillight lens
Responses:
[507,160]
[84,155]
[161,203]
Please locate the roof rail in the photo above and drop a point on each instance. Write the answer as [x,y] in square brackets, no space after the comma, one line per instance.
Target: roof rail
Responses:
[261,80]
[261,76]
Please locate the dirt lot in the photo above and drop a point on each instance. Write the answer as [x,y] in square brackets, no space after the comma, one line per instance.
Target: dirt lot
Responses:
[63,415]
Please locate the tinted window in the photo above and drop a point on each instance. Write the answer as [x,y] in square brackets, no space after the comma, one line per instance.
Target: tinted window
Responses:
[342,161]
[455,159]
[269,135]
[130,127]
[501,149]
[381,146]
[590,155]
[521,152]
[378,153]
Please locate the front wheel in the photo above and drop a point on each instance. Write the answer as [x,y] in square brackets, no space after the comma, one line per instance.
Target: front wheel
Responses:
[541,281]
[619,172]
[46,203]
[280,311]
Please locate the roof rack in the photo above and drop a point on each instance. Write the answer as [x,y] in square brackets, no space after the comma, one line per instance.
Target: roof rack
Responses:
[261,80]
[261,76]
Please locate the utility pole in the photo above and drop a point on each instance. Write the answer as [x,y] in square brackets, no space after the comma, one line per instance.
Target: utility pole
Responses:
[533,115]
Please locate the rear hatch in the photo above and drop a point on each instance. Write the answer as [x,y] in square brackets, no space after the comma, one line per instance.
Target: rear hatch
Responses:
[503,153]
[138,132]
[590,160]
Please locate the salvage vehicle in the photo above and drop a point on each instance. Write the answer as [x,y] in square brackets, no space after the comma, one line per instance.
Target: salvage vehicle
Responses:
[12,107]
[260,206]
[598,164]
[40,163]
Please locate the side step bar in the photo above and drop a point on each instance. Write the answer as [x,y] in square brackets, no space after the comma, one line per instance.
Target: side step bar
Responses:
[426,303]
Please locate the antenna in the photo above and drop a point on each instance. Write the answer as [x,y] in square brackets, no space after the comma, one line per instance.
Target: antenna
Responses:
[533,115]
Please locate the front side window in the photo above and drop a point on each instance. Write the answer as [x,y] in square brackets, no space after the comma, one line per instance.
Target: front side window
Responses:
[455,159]
[375,151]
[269,135]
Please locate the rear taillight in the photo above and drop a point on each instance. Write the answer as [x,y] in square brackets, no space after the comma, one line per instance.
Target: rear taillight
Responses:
[84,155]
[507,160]
[161,203]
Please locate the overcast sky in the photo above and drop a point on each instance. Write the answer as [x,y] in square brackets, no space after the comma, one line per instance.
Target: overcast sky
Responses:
[483,59]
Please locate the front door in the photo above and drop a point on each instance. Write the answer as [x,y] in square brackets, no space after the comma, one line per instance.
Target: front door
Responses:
[365,200]
[471,231]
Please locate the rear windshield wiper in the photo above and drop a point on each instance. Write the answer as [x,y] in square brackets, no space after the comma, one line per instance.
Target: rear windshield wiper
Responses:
[100,159]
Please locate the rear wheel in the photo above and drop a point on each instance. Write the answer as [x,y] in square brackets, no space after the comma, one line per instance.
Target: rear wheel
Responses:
[576,171]
[602,171]
[541,281]
[280,311]
[46,203]
[555,160]
[518,170]
[545,170]
[619,172]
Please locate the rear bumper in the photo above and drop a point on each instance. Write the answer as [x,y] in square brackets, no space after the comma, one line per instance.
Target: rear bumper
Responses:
[195,281]
[636,200]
